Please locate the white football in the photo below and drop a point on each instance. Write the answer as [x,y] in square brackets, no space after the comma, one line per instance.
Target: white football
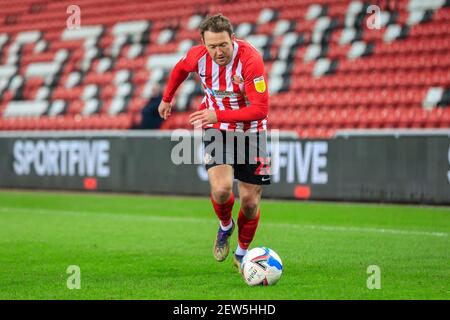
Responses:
[261,266]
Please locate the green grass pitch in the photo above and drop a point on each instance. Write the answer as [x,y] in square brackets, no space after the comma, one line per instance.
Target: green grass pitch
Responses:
[148,247]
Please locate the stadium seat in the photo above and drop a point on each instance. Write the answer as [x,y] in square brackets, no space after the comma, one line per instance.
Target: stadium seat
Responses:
[327,69]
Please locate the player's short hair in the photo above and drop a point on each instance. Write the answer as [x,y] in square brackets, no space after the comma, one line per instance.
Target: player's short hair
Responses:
[217,23]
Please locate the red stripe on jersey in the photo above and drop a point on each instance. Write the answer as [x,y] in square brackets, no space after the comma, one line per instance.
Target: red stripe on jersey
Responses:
[247,125]
[227,104]
[236,89]
[208,80]
[233,72]
[223,87]
[222,78]
[208,71]
[260,125]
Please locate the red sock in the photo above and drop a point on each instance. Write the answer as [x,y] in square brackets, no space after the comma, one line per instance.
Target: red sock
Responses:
[223,211]
[247,229]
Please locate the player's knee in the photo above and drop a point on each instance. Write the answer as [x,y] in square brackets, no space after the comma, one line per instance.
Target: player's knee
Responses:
[222,194]
[249,206]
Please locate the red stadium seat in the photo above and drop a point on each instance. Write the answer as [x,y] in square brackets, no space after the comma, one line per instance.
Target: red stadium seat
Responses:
[384,86]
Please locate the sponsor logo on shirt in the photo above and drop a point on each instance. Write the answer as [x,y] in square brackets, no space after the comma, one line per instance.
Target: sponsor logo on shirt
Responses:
[222,93]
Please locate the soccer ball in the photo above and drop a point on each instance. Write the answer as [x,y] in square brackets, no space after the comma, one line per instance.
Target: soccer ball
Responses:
[261,266]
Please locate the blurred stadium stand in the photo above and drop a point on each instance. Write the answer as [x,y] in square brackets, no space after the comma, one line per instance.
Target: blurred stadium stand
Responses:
[327,70]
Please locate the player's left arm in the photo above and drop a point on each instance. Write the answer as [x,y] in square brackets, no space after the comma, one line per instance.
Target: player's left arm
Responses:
[255,85]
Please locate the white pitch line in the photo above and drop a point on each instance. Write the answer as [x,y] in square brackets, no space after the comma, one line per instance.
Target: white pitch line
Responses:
[207,220]
[360,229]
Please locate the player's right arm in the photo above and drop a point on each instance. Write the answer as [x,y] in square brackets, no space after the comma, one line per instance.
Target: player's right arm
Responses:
[179,73]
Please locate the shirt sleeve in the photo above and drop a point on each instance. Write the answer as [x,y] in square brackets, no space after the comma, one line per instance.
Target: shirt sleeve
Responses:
[255,84]
[180,72]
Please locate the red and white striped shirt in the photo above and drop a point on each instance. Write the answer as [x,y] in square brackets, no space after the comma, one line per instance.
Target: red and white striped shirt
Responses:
[237,92]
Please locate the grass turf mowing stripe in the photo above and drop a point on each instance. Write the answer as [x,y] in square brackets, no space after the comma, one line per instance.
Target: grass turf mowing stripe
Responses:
[205,220]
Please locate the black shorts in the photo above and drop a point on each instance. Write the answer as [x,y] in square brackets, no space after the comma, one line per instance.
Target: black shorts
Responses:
[245,152]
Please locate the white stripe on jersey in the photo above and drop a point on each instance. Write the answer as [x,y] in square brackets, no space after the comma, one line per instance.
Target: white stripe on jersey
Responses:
[254,126]
[228,77]
[235,51]
[216,83]
[201,65]
[264,123]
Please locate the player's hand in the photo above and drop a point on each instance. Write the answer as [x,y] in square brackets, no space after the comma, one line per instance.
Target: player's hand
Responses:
[203,117]
[164,109]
